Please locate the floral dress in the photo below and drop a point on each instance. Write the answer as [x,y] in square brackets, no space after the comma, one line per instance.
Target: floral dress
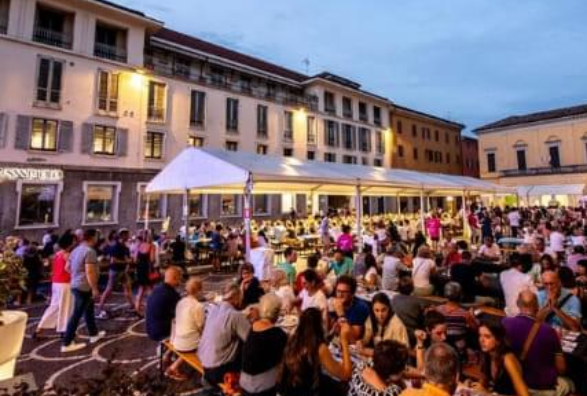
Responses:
[358,386]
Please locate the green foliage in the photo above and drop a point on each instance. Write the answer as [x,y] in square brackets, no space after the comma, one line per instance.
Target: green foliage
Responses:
[12,277]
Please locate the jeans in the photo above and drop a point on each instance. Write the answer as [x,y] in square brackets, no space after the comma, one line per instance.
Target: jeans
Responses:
[83,306]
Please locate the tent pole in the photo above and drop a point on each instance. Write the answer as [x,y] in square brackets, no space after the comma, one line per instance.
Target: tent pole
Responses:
[248,192]
[147,212]
[186,213]
[399,204]
[422,216]
[465,217]
[359,210]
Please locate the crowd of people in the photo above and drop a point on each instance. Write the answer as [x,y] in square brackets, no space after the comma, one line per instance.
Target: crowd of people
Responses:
[376,316]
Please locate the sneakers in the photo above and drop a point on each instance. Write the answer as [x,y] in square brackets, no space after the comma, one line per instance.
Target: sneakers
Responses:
[97,337]
[72,347]
[102,315]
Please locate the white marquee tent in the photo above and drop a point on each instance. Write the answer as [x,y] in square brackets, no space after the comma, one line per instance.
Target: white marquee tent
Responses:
[219,171]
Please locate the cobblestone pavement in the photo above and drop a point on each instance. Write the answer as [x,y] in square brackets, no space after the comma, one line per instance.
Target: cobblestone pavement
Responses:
[126,345]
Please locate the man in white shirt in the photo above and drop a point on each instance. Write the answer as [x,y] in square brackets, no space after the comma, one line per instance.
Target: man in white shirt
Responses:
[392,265]
[514,220]
[557,240]
[515,280]
[490,250]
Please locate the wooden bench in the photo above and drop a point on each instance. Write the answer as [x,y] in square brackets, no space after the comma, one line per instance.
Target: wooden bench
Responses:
[192,359]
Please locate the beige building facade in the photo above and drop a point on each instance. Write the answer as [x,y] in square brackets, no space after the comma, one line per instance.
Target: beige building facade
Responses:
[536,151]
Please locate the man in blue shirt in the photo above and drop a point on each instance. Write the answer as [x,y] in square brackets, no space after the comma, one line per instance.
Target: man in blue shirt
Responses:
[345,306]
[160,310]
[558,306]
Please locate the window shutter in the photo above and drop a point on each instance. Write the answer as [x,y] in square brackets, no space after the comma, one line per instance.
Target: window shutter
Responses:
[87,138]
[122,141]
[3,129]
[65,143]
[23,132]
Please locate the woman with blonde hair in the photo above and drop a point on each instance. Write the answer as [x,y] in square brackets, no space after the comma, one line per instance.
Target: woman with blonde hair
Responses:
[422,269]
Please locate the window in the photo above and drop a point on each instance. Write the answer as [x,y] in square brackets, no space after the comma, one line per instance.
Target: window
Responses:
[182,67]
[400,151]
[154,145]
[379,144]
[377,115]
[428,134]
[365,140]
[414,130]
[311,128]
[53,27]
[232,115]
[349,140]
[44,135]
[363,114]
[231,146]
[38,204]
[217,76]
[108,92]
[331,135]
[521,157]
[271,91]
[399,127]
[110,42]
[347,107]
[261,204]
[436,136]
[377,162]
[423,133]
[329,157]
[555,161]
[104,140]
[198,109]
[439,157]
[157,204]
[448,158]
[329,103]
[229,205]
[349,159]
[365,161]
[157,99]
[262,121]
[491,162]
[446,138]
[196,141]
[430,155]
[50,73]
[245,84]
[311,155]
[196,206]
[288,152]
[415,153]
[288,133]
[4,12]
[101,202]
[262,149]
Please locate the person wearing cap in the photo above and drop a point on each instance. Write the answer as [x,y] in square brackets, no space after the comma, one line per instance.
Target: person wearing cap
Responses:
[120,259]
[225,330]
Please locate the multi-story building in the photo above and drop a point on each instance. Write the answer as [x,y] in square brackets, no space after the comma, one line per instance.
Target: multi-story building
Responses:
[99,97]
[424,142]
[543,154]
[470,156]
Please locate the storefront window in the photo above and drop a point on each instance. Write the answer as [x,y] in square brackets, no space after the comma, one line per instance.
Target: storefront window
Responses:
[38,203]
[261,204]
[101,203]
[196,206]
[156,205]
[230,205]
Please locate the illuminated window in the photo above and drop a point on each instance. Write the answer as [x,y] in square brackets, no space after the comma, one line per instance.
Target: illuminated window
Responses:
[157,99]
[198,109]
[262,149]
[107,92]
[38,204]
[104,141]
[101,202]
[157,204]
[230,205]
[261,204]
[288,132]
[197,206]
[44,135]
[195,141]
[154,145]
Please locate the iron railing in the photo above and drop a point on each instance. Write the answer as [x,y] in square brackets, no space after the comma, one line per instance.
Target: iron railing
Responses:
[111,52]
[546,170]
[52,37]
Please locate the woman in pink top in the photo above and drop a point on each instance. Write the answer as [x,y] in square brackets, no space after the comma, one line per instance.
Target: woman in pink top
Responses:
[59,310]
[433,226]
[346,242]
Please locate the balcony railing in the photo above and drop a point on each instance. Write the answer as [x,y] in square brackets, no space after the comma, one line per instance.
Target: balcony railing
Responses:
[111,52]
[52,37]
[546,170]
[156,114]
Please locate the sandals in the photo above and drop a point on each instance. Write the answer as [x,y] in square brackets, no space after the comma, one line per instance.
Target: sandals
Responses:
[175,375]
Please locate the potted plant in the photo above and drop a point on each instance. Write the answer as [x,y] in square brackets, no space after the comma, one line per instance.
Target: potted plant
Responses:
[12,323]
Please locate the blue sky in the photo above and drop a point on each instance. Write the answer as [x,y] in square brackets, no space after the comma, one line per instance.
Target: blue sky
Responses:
[473,61]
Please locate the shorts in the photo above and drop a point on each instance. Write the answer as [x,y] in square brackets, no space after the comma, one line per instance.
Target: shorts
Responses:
[117,277]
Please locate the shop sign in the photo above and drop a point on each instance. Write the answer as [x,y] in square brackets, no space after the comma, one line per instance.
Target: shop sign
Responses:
[31,174]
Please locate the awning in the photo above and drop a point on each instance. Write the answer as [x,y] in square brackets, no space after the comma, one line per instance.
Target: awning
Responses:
[219,171]
[559,189]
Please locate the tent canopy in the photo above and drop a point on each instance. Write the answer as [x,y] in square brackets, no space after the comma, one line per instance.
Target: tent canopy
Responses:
[219,171]
[561,189]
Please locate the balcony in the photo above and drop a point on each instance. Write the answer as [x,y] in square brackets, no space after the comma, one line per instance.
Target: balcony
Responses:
[111,52]
[546,170]
[52,37]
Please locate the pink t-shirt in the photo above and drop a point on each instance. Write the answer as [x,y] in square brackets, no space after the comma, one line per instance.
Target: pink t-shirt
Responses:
[345,242]
[433,227]
[59,274]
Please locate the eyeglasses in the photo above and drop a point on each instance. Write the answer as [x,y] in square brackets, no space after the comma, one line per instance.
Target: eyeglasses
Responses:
[340,291]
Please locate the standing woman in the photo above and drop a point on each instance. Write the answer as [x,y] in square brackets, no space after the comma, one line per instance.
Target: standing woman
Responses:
[59,310]
[145,258]
[307,357]
[502,373]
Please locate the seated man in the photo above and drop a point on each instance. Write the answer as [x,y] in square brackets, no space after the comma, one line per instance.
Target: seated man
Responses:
[558,306]
[490,250]
[347,307]
[539,350]
[161,305]
[515,280]
[225,330]
[441,371]
[341,264]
